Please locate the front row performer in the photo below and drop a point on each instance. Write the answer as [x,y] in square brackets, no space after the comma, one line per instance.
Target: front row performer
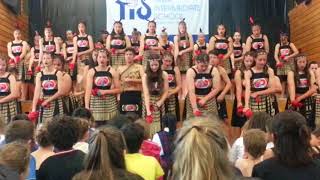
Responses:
[101,89]
[301,84]
[261,85]
[203,86]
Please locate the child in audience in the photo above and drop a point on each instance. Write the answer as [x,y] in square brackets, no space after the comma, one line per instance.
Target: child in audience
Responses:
[164,139]
[82,144]
[145,166]
[255,145]
[315,143]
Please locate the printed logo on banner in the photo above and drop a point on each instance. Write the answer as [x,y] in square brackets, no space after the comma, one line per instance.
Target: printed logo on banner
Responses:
[125,5]
[167,13]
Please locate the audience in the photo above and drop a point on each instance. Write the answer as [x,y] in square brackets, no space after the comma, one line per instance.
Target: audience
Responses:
[292,156]
[105,159]
[2,136]
[164,139]
[259,120]
[82,144]
[254,145]
[45,149]
[14,161]
[23,131]
[145,166]
[315,143]
[63,133]
[201,151]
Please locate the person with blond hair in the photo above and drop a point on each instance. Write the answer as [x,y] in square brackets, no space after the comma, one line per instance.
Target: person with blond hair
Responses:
[201,151]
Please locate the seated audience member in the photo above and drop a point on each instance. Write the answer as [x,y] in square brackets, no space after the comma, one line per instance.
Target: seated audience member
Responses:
[292,158]
[259,120]
[201,151]
[105,159]
[63,133]
[254,146]
[315,143]
[45,149]
[164,139]
[86,114]
[119,121]
[23,131]
[14,161]
[145,166]
[82,143]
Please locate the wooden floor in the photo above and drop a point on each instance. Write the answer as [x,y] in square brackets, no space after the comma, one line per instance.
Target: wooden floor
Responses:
[231,132]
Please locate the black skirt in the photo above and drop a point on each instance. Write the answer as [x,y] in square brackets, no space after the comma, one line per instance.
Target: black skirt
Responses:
[130,102]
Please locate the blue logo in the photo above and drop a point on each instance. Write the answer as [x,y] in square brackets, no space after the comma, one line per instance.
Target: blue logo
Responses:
[134,12]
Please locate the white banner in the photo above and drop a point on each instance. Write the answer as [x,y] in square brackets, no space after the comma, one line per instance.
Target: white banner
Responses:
[167,13]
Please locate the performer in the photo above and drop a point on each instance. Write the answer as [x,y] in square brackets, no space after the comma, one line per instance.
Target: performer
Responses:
[224,46]
[183,49]
[260,86]
[165,43]
[313,66]
[103,37]
[101,90]
[238,118]
[174,80]
[68,98]
[34,62]
[238,51]
[9,93]
[49,43]
[301,87]
[68,50]
[17,50]
[257,40]
[117,42]
[225,84]
[83,46]
[131,85]
[284,53]
[149,43]
[48,93]
[203,86]
[155,91]
[135,40]
[201,44]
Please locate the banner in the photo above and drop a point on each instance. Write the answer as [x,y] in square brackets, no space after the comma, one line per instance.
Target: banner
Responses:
[167,13]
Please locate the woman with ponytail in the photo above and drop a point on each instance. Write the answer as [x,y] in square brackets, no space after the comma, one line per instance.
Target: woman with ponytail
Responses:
[105,159]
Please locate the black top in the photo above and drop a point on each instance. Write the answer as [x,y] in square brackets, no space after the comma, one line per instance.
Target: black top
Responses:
[5,86]
[16,48]
[61,166]
[36,53]
[203,82]
[49,83]
[171,77]
[302,86]
[69,49]
[285,50]
[136,46]
[118,42]
[155,88]
[183,42]
[271,169]
[221,45]
[49,46]
[257,43]
[237,51]
[102,79]
[202,48]
[151,40]
[259,81]
[82,43]
[166,46]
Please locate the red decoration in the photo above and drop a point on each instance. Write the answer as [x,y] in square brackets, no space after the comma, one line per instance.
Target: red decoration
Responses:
[113,51]
[220,56]
[279,65]
[33,116]
[296,104]
[149,119]
[138,58]
[248,113]
[71,66]
[197,52]
[197,113]
[240,110]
